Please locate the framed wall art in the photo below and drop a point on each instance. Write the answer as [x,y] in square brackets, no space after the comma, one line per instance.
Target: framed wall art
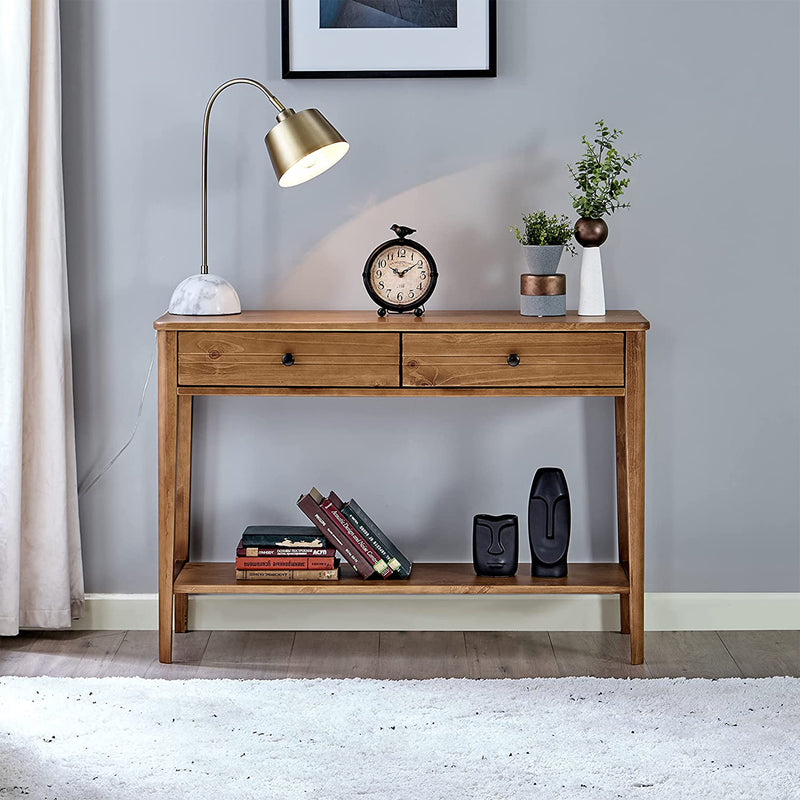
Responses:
[389,38]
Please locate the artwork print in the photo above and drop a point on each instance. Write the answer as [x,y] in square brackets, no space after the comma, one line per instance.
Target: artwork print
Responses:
[388,14]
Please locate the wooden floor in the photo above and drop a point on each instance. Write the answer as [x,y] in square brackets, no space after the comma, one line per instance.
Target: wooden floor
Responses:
[397,655]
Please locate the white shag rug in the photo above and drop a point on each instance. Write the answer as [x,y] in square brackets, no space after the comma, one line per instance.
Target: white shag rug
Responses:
[576,738]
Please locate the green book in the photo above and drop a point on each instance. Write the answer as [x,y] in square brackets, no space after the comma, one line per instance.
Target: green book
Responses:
[400,565]
[306,536]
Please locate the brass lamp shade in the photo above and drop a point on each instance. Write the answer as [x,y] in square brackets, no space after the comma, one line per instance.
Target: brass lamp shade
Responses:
[303,145]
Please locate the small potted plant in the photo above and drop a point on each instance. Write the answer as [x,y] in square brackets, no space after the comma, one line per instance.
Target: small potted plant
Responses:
[543,240]
[599,177]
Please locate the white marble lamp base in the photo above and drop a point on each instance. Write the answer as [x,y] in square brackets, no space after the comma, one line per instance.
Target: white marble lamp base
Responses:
[204,295]
[592,302]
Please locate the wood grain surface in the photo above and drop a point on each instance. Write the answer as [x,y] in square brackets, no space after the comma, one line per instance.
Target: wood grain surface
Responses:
[406,391]
[544,359]
[430,321]
[167,474]
[398,655]
[357,353]
[217,577]
[249,358]
[634,425]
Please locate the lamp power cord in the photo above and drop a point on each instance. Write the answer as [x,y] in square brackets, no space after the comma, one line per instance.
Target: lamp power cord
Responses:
[93,477]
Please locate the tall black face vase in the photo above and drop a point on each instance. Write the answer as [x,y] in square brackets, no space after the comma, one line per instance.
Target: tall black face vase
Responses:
[549,521]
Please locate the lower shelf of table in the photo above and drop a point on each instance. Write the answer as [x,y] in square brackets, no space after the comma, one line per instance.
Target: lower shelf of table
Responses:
[213,577]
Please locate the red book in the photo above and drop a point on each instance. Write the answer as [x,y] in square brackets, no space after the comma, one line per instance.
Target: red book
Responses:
[285,562]
[309,505]
[339,519]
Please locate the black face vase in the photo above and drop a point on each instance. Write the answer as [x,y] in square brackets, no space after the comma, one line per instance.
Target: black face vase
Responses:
[495,545]
[549,520]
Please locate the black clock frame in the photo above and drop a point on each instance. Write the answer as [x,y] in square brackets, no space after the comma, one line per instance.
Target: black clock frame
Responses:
[383,306]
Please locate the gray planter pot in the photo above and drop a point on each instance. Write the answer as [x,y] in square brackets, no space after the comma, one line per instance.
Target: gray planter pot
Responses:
[542,259]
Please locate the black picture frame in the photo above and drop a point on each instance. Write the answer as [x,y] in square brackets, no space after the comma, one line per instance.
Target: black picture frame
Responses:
[489,72]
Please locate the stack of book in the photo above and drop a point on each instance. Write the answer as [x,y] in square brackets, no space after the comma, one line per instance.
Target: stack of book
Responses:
[358,539]
[285,553]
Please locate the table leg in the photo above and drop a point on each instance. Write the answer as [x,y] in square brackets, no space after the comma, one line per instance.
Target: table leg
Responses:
[622,508]
[183,493]
[181,613]
[167,452]
[633,415]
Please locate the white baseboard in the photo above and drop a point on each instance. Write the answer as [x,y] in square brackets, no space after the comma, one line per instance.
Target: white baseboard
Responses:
[663,611]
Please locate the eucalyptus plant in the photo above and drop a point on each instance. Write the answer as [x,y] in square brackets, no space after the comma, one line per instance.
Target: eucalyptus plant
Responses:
[539,229]
[599,174]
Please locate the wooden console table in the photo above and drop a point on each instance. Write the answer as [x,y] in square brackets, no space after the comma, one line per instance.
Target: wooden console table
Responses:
[443,354]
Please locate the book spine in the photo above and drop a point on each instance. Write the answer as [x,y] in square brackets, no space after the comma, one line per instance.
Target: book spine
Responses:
[374,542]
[368,523]
[336,500]
[284,562]
[304,543]
[325,525]
[287,574]
[379,565]
[285,552]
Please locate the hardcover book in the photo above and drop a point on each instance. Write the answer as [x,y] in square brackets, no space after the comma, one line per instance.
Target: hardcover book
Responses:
[302,536]
[356,514]
[388,552]
[294,552]
[310,507]
[244,562]
[378,564]
[287,575]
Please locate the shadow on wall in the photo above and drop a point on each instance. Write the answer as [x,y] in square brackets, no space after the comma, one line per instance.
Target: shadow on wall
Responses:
[478,259]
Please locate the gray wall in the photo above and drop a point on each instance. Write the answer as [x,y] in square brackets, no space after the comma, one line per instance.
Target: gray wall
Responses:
[708,91]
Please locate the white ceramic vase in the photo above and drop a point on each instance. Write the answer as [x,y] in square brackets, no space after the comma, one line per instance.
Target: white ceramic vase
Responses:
[590,234]
[592,302]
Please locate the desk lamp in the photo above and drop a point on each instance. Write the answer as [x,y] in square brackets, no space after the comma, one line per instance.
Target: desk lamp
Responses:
[301,146]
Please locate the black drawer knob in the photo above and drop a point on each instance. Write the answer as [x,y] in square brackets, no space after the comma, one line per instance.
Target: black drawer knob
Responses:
[513,360]
[287,359]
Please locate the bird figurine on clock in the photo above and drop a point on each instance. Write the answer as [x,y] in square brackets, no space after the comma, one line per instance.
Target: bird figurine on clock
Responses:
[400,274]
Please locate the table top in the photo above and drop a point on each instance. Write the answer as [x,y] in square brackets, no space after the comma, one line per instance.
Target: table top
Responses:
[404,323]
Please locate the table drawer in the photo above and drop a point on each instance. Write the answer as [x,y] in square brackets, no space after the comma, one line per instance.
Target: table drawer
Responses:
[255,358]
[513,359]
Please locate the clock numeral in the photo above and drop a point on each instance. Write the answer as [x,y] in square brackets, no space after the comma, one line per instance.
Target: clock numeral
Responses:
[401,253]
[419,287]
[388,292]
[411,294]
[378,274]
[380,285]
[419,264]
[382,263]
[390,256]
[400,296]
[423,276]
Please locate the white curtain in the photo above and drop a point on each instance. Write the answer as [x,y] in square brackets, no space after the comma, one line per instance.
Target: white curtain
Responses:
[41,576]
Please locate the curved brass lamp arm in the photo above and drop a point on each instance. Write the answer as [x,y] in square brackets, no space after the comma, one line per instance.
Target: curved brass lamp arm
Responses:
[275,102]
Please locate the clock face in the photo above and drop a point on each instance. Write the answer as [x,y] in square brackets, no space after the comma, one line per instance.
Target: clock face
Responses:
[400,275]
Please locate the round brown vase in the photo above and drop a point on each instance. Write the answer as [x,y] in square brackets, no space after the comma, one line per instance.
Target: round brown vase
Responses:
[591,232]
